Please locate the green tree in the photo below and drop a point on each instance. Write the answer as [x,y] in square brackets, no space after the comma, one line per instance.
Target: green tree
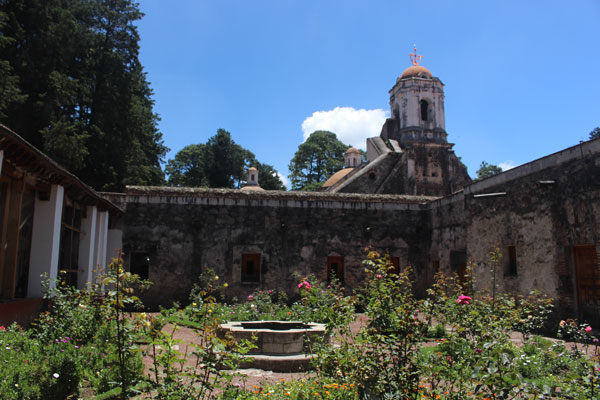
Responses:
[595,134]
[227,161]
[486,170]
[189,166]
[319,157]
[219,163]
[71,83]
[268,177]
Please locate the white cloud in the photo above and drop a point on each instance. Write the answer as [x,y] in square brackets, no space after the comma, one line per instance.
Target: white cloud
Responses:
[506,165]
[284,179]
[351,126]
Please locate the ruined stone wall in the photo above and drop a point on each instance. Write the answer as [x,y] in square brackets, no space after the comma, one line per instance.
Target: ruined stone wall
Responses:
[185,231]
[447,223]
[550,205]
[544,210]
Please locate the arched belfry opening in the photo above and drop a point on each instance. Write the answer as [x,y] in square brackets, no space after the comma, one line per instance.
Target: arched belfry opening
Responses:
[424,110]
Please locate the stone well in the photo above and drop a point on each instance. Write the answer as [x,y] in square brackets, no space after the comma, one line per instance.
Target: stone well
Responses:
[281,345]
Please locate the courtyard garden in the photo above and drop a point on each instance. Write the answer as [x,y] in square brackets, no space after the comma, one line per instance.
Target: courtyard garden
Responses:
[381,343]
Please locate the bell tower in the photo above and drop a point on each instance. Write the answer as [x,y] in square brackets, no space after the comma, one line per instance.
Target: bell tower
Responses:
[411,155]
[418,127]
[417,106]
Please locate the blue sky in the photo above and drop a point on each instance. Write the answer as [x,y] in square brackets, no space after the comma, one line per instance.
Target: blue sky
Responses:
[522,78]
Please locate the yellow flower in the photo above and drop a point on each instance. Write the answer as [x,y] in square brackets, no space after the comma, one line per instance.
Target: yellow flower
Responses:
[194,304]
[216,277]
[209,310]
[225,284]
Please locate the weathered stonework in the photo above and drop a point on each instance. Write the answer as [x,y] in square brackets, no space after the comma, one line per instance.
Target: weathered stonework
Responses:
[543,216]
[412,154]
[545,210]
[184,232]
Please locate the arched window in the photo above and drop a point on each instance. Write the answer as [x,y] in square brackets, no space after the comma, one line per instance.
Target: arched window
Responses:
[424,110]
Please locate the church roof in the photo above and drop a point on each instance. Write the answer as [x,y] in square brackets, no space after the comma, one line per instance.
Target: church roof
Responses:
[251,187]
[352,150]
[416,70]
[333,179]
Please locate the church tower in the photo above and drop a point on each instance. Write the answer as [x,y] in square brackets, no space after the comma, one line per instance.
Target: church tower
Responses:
[412,155]
[418,126]
[417,106]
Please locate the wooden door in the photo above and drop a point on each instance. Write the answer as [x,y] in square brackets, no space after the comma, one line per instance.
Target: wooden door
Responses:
[587,273]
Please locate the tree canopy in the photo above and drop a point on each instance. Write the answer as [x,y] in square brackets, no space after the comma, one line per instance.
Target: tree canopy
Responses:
[71,84]
[595,133]
[486,170]
[319,157]
[219,163]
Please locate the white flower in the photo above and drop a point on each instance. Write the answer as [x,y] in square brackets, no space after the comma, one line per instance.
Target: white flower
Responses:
[55,375]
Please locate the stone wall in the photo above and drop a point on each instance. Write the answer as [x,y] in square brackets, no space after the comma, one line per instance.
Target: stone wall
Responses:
[550,207]
[542,215]
[544,210]
[184,231]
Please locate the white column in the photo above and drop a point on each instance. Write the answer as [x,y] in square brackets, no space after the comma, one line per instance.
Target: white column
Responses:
[100,248]
[87,242]
[45,240]
[1,159]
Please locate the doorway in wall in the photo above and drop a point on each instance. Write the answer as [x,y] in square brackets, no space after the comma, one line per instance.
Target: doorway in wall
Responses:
[587,275]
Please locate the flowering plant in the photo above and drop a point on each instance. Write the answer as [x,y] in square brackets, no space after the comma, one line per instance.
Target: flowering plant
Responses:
[462,299]
[305,285]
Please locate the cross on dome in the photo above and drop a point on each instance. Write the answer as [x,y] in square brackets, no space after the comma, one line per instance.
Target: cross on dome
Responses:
[414,57]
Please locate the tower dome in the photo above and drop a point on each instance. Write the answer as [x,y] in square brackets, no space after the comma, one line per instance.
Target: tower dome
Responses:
[352,158]
[416,71]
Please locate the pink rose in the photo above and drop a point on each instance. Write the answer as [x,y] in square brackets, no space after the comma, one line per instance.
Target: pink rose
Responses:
[588,328]
[379,276]
[250,297]
[462,299]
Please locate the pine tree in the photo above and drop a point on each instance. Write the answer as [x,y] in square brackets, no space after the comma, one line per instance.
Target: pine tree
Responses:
[82,96]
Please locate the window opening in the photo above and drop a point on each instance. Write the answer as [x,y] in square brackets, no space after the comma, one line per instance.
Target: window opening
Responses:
[458,265]
[251,268]
[335,268]
[510,261]
[424,110]
[68,255]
